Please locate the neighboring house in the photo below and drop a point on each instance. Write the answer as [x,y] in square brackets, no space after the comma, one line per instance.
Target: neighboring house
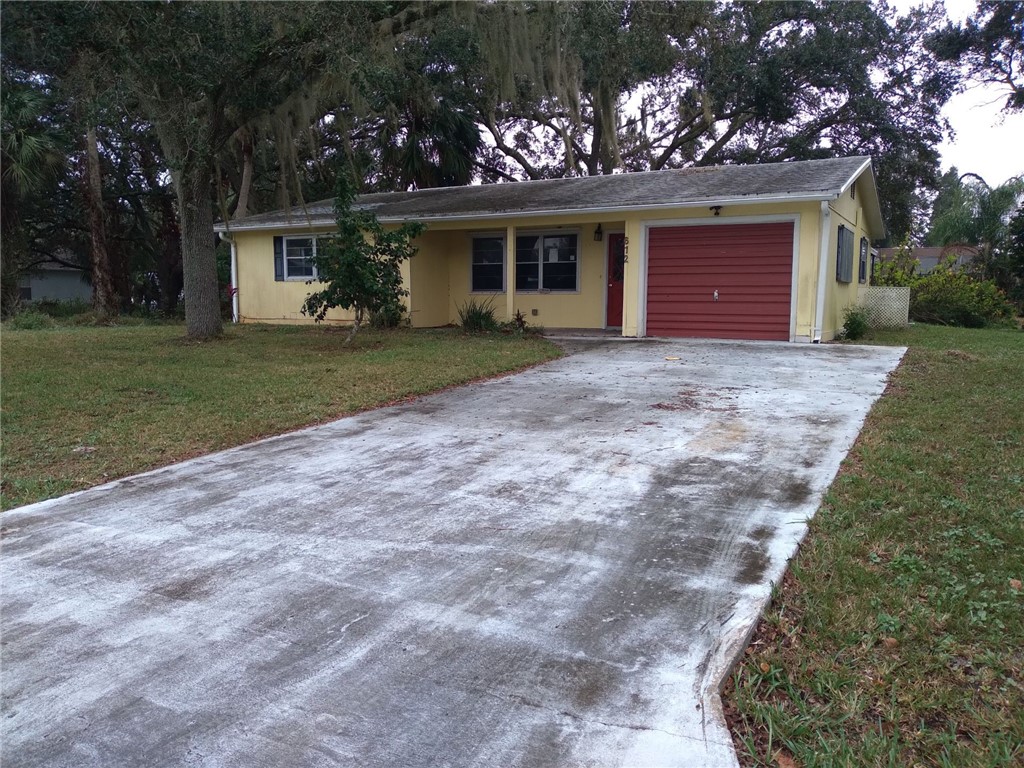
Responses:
[52,281]
[772,251]
[928,258]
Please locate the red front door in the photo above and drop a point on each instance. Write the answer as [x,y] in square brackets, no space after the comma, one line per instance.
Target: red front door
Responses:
[616,267]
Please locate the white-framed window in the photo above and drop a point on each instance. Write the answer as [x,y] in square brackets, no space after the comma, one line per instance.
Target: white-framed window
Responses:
[844,255]
[548,261]
[299,255]
[487,263]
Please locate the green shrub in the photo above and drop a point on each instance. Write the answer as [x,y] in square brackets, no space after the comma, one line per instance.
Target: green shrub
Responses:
[388,316]
[517,325]
[945,297]
[30,320]
[62,309]
[899,271]
[856,323]
[477,316]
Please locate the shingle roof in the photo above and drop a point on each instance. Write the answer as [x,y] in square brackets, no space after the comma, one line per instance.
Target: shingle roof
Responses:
[806,179]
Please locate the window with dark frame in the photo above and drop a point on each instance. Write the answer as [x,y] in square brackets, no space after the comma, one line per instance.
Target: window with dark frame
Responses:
[862,273]
[488,264]
[299,253]
[844,255]
[547,262]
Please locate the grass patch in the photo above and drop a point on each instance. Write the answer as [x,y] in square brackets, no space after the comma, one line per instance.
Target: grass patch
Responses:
[82,406]
[897,637]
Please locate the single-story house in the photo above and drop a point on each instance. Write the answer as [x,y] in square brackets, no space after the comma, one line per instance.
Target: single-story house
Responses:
[774,251]
[929,257]
[54,281]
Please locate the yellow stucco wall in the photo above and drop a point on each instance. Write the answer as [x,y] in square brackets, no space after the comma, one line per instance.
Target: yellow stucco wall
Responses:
[846,211]
[261,299]
[427,280]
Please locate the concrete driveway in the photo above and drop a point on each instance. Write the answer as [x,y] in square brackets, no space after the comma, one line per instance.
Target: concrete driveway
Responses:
[553,568]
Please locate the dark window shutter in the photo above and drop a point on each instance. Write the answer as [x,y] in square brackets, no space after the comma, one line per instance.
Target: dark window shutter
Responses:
[862,274]
[279,258]
[840,238]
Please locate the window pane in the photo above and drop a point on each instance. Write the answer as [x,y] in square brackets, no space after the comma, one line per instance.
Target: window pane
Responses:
[526,248]
[299,247]
[488,250]
[488,277]
[300,268]
[560,276]
[527,263]
[298,257]
[527,276]
[559,262]
[560,248]
[488,264]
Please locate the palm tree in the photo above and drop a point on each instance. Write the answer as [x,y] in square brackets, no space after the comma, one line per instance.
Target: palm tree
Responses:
[31,157]
[968,213]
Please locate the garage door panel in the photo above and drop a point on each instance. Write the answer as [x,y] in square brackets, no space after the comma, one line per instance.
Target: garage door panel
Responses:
[700,282]
[736,306]
[749,265]
[711,318]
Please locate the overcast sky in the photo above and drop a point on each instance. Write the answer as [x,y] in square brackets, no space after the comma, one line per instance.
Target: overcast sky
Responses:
[988,142]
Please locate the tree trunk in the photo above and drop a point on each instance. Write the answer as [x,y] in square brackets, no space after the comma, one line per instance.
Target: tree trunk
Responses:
[356,322]
[104,298]
[242,209]
[118,259]
[198,254]
[169,266]
[605,127]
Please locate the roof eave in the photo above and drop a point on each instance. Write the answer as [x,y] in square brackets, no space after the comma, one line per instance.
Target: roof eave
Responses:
[311,223]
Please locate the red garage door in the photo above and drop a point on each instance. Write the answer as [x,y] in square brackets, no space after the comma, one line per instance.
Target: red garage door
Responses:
[727,281]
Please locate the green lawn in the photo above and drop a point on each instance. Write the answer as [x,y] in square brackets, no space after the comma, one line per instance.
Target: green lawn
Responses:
[897,638]
[85,405]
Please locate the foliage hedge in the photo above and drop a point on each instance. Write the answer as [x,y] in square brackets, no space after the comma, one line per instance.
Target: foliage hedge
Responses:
[946,297]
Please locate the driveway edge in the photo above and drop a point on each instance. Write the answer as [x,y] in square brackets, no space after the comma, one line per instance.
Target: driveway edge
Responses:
[734,641]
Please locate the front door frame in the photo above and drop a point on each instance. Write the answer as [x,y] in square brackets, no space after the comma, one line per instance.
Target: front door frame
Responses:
[607,275]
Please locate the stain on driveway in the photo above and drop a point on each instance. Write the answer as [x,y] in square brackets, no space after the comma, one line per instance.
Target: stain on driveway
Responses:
[552,568]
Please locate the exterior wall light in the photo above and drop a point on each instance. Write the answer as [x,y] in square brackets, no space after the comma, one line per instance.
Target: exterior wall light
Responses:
[716,209]
[598,234]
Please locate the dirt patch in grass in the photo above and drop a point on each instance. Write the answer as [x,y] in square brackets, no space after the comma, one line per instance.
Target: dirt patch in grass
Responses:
[85,405]
[897,636]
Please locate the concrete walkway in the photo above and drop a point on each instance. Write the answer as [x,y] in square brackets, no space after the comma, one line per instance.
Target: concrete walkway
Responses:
[553,568]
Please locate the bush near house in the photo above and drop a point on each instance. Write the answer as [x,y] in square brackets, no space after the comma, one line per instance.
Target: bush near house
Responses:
[947,295]
[856,323]
[478,316]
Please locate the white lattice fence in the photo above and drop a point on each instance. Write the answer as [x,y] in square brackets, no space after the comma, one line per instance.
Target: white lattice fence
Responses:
[888,306]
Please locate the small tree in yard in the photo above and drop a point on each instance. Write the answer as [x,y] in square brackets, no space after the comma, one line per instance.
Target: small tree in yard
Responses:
[360,265]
